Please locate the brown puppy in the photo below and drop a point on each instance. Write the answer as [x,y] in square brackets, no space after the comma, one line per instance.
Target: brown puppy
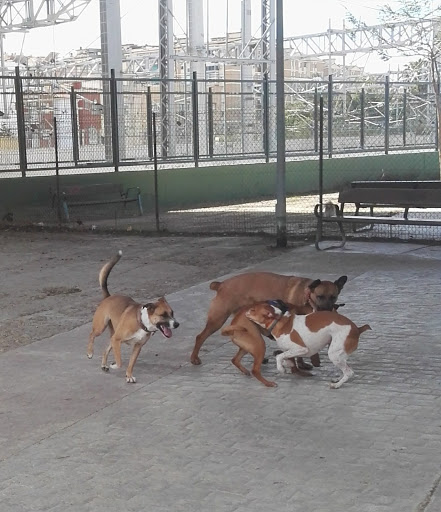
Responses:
[247,289]
[247,335]
[129,322]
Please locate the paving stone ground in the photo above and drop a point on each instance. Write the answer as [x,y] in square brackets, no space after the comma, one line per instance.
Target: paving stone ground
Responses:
[207,438]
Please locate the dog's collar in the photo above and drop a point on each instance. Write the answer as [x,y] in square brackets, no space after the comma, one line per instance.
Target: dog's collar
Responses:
[141,323]
[279,304]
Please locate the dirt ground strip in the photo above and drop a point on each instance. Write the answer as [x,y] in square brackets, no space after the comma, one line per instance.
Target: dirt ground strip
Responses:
[49,281]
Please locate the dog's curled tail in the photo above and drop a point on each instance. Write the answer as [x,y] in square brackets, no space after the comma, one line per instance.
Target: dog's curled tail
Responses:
[215,285]
[231,329]
[105,271]
[363,328]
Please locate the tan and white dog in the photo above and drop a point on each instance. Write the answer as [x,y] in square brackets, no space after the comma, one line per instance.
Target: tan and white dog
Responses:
[304,335]
[128,321]
[250,288]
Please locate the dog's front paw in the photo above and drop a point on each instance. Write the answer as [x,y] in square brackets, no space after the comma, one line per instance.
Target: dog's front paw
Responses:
[131,380]
[105,368]
[195,360]
[90,355]
[114,366]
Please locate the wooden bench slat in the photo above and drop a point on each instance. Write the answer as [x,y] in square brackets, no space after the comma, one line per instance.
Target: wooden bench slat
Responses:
[397,184]
[366,219]
[423,198]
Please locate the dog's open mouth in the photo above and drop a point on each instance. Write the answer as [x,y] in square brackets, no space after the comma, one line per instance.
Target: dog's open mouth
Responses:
[166,331]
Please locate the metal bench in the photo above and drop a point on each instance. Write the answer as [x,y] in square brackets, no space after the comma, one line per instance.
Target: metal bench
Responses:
[387,184]
[98,194]
[377,197]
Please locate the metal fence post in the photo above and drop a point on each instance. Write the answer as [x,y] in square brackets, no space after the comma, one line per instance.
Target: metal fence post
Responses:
[321,122]
[386,115]
[316,119]
[281,239]
[57,170]
[155,167]
[74,121]
[149,123]
[210,123]
[362,113]
[265,116]
[194,94]
[21,129]
[114,118]
[404,116]
[330,115]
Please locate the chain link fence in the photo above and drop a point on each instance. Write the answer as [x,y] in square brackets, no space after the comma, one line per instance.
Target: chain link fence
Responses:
[202,152]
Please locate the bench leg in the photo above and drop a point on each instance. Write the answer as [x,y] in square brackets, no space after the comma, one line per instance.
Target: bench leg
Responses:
[319,232]
[141,212]
[66,211]
[319,238]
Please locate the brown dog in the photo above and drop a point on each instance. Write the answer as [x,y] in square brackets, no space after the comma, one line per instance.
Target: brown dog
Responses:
[247,335]
[129,322]
[248,289]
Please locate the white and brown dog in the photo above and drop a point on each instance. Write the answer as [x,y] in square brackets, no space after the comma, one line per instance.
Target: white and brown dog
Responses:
[129,322]
[304,335]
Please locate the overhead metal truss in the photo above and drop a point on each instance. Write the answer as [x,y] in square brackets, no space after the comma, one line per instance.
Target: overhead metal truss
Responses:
[19,15]
[341,42]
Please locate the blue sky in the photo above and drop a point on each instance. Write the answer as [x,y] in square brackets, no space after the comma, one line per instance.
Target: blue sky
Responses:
[139,24]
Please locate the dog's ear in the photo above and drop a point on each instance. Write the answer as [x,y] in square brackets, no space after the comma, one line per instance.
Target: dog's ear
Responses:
[341,281]
[314,284]
[149,307]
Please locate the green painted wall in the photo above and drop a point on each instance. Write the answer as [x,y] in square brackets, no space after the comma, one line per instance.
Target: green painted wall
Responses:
[221,184]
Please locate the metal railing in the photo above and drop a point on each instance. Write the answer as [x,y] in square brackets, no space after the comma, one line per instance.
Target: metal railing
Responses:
[107,123]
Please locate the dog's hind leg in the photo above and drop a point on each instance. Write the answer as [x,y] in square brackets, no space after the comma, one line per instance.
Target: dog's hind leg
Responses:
[104,365]
[339,357]
[115,346]
[98,327]
[254,345]
[217,316]
[237,361]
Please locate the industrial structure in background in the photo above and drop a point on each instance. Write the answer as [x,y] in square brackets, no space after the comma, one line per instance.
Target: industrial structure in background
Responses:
[229,71]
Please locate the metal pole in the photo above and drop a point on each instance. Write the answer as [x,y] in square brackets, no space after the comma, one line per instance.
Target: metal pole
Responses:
[321,156]
[316,120]
[210,123]
[265,107]
[149,123]
[114,117]
[281,240]
[21,130]
[74,121]
[3,72]
[155,167]
[404,116]
[57,171]
[330,115]
[195,120]
[320,223]
[386,115]
[362,99]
